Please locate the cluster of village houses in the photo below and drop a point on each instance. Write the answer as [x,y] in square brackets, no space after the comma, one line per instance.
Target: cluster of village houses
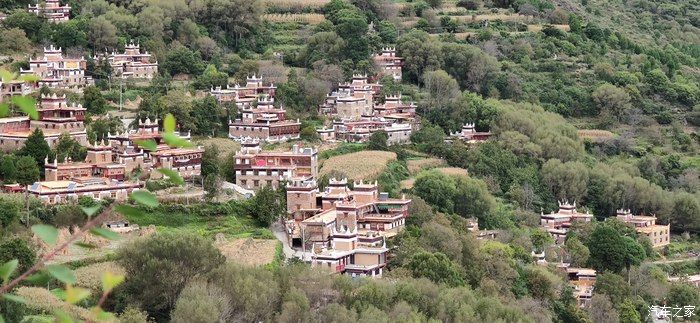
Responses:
[341,227]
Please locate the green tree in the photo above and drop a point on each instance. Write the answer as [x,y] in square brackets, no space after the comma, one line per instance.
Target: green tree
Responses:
[93,101]
[27,174]
[378,141]
[70,34]
[470,66]
[430,139]
[323,46]
[208,116]
[211,78]
[200,302]
[436,267]
[36,147]
[210,160]
[566,181]
[29,22]
[611,101]
[628,312]
[578,252]
[69,147]
[351,25]
[9,213]
[686,212]
[387,32]
[681,295]
[614,286]
[540,239]
[441,86]
[472,199]
[421,53]
[612,251]
[182,60]
[268,205]
[437,189]
[102,34]
[174,258]
[8,168]
[17,248]
[309,133]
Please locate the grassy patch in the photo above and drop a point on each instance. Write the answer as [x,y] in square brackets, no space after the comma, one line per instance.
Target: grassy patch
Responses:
[226,219]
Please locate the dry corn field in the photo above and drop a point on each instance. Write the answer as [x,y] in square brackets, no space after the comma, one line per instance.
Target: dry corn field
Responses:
[307,18]
[453,171]
[491,17]
[595,134]
[417,165]
[225,145]
[42,300]
[249,252]
[90,276]
[360,165]
[295,5]
[536,28]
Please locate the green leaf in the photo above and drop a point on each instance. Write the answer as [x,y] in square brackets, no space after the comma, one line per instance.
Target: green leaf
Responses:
[2,319]
[47,233]
[128,210]
[145,198]
[27,105]
[6,76]
[62,317]
[169,123]
[174,177]
[40,278]
[91,210]
[4,110]
[110,280]
[59,292]
[14,298]
[61,273]
[76,294]
[149,144]
[101,315]
[105,233]
[85,245]
[7,269]
[174,140]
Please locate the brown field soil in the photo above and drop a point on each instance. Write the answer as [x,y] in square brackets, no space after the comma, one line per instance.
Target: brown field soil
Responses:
[417,165]
[250,252]
[360,165]
[225,145]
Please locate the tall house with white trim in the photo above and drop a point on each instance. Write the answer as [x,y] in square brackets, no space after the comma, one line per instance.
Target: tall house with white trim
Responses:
[56,117]
[132,63]
[558,223]
[658,234]
[52,10]
[389,63]
[256,168]
[58,72]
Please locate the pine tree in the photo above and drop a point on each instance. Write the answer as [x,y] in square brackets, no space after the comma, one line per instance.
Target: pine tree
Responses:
[36,147]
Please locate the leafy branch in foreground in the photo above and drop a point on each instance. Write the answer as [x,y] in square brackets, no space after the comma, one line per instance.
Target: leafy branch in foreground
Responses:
[42,271]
